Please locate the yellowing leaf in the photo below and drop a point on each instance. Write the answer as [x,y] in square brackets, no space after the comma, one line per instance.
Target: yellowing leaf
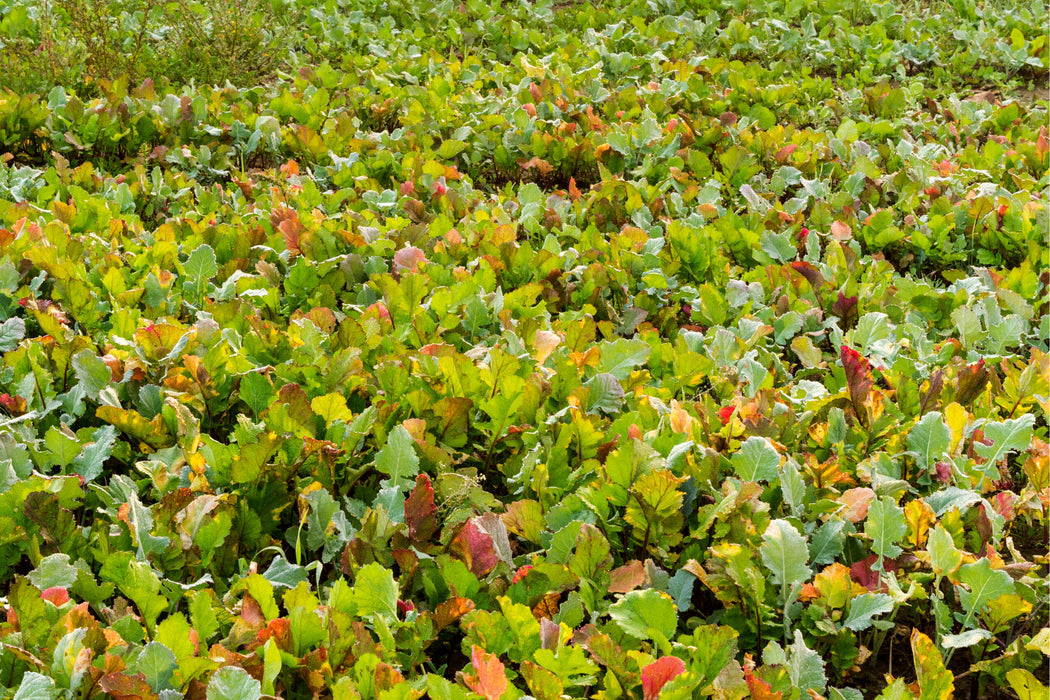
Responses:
[919,516]
[331,407]
[957,418]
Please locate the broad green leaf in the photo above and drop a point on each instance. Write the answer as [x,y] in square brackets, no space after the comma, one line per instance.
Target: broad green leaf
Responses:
[94,454]
[157,663]
[944,556]
[864,608]
[620,356]
[282,573]
[174,633]
[804,666]
[200,267]
[825,545]
[35,686]
[793,487]
[233,683]
[203,616]
[1008,436]
[63,448]
[885,526]
[375,592]
[53,570]
[756,460]
[11,332]
[256,391]
[930,439]
[398,458]
[983,585]
[639,613]
[785,554]
[604,394]
[92,372]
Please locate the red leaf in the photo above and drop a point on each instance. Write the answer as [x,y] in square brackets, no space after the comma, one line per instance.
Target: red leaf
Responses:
[862,573]
[626,578]
[658,673]
[475,548]
[420,510]
[760,690]
[287,222]
[858,378]
[971,382]
[807,270]
[57,595]
[846,309]
[490,678]
[124,687]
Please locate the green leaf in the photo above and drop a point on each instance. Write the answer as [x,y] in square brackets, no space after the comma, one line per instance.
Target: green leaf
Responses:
[92,372]
[864,608]
[398,458]
[282,573]
[94,454]
[984,585]
[825,545]
[35,686]
[200,266]
[944,556]
[804,666]
[793,487]
[784,553]
[929,439]
[640,613]
[604,394]
[62,447]
[53,571]
[885,526]
[157,663]
[375,592]
[256,391]
[1010,435]
[233,683]
[11,332]
[964,639]
[620,356]
[756,460]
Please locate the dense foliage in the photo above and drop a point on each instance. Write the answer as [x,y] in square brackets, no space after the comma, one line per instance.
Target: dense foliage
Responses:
[618,350]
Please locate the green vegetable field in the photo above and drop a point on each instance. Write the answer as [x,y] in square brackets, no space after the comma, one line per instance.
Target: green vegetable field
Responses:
[482,349]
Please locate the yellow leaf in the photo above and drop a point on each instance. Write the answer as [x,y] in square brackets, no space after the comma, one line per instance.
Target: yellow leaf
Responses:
[957,419]
[331,407]
[919,516]
[543,344]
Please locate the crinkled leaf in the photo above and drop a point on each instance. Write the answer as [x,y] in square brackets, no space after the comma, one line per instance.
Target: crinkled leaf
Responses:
[638,612]
[756,460]
[785,554]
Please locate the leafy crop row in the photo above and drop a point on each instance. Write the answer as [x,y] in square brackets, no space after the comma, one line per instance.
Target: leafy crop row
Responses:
[668,351]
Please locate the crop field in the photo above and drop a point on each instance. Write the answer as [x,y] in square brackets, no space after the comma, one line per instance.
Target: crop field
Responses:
[625,349]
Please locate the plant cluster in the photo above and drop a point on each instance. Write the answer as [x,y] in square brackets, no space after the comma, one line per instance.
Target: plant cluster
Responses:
[678,350]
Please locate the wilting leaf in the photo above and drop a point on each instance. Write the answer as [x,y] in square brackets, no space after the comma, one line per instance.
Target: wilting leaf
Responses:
[936,682]
[1025,684]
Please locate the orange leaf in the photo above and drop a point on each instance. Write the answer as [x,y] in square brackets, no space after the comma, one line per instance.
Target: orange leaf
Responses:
[490,679]
[658,673]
